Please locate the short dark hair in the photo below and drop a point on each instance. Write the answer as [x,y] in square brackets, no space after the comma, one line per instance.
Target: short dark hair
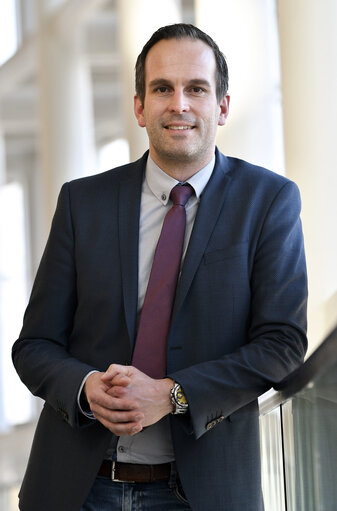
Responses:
[181,31]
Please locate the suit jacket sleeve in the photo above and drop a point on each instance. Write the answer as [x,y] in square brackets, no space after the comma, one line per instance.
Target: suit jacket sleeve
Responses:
[276,339]
[40,355]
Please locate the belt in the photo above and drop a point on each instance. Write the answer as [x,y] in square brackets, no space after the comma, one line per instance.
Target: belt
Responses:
[134,473]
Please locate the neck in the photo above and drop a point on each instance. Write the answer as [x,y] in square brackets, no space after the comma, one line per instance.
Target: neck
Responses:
[180,170]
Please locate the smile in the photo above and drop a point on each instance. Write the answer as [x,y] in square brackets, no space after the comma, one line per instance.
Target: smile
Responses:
[179,127]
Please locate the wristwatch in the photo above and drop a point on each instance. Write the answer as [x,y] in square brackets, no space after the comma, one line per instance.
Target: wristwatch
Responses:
[178,399]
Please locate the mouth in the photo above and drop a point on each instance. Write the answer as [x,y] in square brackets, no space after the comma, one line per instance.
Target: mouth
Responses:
[179,127]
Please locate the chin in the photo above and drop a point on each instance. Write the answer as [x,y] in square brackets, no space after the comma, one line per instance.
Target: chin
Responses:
[183,154]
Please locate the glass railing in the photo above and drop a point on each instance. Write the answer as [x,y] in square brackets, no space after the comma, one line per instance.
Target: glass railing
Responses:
[298,426]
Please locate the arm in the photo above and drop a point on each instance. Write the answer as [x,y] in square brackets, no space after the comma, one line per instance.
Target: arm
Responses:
[40,355]
[276,340]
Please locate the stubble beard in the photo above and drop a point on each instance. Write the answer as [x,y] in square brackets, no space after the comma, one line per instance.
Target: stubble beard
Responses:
[171,152]
[189,152]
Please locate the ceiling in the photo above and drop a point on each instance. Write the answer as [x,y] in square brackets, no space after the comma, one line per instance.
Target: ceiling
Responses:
[19,92]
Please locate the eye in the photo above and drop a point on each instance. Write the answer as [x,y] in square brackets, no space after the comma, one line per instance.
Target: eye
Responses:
[197,91]
[162,89]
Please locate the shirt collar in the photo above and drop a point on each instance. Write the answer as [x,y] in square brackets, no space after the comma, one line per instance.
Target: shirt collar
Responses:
[161,183]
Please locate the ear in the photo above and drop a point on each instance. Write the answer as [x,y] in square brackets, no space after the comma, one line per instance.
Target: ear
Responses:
[224,110]
[139,111]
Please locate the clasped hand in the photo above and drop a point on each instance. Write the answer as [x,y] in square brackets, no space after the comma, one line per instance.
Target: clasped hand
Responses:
[125,400]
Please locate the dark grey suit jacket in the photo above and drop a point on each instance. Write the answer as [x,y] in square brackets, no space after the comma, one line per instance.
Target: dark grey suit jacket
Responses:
[238,328]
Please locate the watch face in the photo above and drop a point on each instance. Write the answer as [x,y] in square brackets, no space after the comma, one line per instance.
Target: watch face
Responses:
[180,396]
[178,399]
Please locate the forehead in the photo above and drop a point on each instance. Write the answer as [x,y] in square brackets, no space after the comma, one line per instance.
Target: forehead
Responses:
[172,58]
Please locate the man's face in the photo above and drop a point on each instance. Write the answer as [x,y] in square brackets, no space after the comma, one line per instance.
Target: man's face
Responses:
[181,112]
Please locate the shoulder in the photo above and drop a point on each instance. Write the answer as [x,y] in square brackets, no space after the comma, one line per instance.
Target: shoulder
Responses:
[242,169]
[253,186]
[253,178]
[111,177]
[101,189]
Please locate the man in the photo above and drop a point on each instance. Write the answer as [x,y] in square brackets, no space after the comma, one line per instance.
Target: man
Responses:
[188,438]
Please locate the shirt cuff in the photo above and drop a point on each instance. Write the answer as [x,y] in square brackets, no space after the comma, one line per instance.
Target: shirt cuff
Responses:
[81,399]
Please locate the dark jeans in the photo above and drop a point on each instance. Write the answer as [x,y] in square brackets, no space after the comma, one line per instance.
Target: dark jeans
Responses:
[106,495]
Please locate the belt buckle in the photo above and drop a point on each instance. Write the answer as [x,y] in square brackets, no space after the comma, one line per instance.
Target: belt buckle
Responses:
[113,472]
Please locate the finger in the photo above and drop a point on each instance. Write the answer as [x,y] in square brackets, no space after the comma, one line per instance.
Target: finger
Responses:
[111,403]
[120,421]
[124,417]
[98,396]
[95,389]
[118,416]
[122,392]
[115,369]
[119,380]
[121,428]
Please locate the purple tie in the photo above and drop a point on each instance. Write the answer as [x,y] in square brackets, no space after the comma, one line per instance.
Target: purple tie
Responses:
[150,350]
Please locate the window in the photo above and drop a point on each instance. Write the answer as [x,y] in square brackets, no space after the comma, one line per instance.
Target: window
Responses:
[8,30]
[16,404]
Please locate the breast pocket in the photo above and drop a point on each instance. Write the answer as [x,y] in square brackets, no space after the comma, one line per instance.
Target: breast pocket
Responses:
[230,252]
[227,271]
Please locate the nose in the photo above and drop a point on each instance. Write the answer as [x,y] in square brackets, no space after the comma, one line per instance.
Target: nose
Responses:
[179,102]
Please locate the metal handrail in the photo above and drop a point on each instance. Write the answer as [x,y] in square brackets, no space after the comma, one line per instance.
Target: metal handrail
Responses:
[319,362]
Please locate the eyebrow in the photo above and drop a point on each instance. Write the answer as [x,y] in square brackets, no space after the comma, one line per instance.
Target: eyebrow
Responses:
[165,81]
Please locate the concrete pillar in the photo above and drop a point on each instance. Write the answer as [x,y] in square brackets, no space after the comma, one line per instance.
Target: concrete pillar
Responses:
[2,278]
[308,42]
[2,159]
[138,20]
[246,32]
[66,112]
[27,17]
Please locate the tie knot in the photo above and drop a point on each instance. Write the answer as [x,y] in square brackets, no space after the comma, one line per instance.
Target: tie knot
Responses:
[181,193]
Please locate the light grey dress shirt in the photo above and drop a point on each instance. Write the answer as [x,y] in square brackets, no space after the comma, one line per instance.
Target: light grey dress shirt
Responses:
[154,445]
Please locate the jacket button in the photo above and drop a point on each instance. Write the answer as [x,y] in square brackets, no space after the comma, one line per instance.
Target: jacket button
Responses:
[214,422]
[210,424]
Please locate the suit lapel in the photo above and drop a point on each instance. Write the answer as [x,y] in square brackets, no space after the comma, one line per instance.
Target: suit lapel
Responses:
[211,203]
[130,189]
